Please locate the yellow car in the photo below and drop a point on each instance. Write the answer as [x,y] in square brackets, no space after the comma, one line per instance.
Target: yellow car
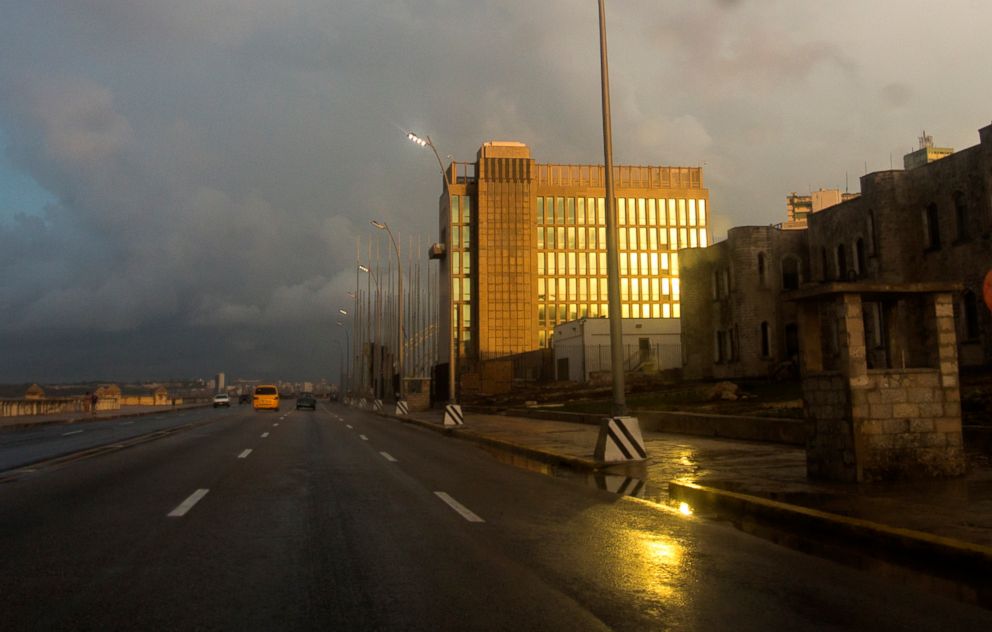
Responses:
[266,397]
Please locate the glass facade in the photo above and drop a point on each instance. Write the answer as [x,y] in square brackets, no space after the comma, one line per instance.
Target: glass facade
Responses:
[571,256]
[461,267]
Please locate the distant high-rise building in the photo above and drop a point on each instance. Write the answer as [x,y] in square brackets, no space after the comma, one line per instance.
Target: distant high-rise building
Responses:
[798,208]
[221,383]
[524,246]
[926,154]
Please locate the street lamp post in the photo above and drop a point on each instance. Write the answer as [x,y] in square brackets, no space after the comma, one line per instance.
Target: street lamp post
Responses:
[376,347]
[452,354]
[399,302]
[620,436]
[347,343]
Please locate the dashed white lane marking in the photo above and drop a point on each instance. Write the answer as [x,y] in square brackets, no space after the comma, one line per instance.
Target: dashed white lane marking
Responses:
[275,424]
[348,426]
[265,435]
[244,455]
[464,511]
[66,434]
[389,457]
[187,504]
[364,438]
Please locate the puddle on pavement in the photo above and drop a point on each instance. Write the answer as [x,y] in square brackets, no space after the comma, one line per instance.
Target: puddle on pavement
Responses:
[629,480]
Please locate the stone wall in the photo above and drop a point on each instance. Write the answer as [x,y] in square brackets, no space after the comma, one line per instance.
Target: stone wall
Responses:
[908,426]
[883,424]
[889,220]
[731,289]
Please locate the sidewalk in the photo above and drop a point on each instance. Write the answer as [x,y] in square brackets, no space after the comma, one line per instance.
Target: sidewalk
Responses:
[28,421]
[938,530]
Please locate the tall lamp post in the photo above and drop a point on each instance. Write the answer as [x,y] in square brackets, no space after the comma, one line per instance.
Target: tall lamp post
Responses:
[377,345]
[452,357]
[399,303]
[620,436]
[347,344]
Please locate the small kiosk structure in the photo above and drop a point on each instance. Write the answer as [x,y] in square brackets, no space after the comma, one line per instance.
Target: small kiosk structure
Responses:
[880,381]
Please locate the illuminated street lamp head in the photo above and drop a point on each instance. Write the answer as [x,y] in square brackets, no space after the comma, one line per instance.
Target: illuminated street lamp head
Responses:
[362,267]
[342,311]
[420,141]
[339,323]
[378,224]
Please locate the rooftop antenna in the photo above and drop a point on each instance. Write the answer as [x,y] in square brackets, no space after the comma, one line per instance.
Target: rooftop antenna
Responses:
[847,184]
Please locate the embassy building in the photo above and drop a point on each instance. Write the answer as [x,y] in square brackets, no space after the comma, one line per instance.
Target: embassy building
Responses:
[523,246]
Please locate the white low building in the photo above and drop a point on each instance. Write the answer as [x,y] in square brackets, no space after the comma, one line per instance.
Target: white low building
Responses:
[582,347]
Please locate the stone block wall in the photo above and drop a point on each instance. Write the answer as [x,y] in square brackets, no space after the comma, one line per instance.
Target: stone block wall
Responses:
[907,424]
[884,424]
[830,446]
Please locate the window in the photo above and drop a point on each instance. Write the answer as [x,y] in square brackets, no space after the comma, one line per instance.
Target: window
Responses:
[872,231]
[841,262]
[970,309]
[790,273]
[761,269]
[765,341]
[824,268]
[960,216]
[931,227]
[792,340]
[859,256]
[720,347]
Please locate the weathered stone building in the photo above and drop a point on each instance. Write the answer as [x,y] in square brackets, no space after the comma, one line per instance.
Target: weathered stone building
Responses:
[928,224]
[739,326]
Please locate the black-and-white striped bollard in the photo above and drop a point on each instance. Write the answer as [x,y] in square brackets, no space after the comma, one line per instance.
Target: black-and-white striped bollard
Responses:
[377,406]
[402,408]
[620,440]
[453,415]
[621,485]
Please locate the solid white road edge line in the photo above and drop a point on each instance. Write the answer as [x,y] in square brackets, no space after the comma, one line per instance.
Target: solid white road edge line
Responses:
[66,434]
[460,508]
[187,504]
[244,455]
[389,457]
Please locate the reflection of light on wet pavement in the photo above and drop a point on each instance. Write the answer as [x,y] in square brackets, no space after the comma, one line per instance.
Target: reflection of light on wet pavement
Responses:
[685,509]
[654,562]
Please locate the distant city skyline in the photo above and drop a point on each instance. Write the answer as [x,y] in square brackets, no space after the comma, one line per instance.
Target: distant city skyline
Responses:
[182,184]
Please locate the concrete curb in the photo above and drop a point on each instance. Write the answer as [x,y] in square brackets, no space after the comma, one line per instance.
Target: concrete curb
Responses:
[74,420]
[466,434]
[964,567]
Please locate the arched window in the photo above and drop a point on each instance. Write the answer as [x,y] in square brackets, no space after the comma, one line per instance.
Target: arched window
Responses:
[824,267]
[870,228]
[859,256]
[970,314]
[792,340]
[931,227]
[761,269]
[961,216]
[841,262]
[790,273]
[765,340]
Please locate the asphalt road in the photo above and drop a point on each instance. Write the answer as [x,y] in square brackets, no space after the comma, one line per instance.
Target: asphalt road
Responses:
[340,520]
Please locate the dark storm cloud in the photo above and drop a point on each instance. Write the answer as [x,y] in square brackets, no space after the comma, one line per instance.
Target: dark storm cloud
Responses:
[212,162]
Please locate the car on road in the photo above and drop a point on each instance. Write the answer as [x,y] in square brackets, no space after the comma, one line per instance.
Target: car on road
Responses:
[222,399]
[306,400]
[266,397]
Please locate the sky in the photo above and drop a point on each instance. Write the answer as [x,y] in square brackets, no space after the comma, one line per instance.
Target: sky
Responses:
[182,183]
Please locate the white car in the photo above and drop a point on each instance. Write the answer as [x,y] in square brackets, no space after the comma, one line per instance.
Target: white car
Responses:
[222,399]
